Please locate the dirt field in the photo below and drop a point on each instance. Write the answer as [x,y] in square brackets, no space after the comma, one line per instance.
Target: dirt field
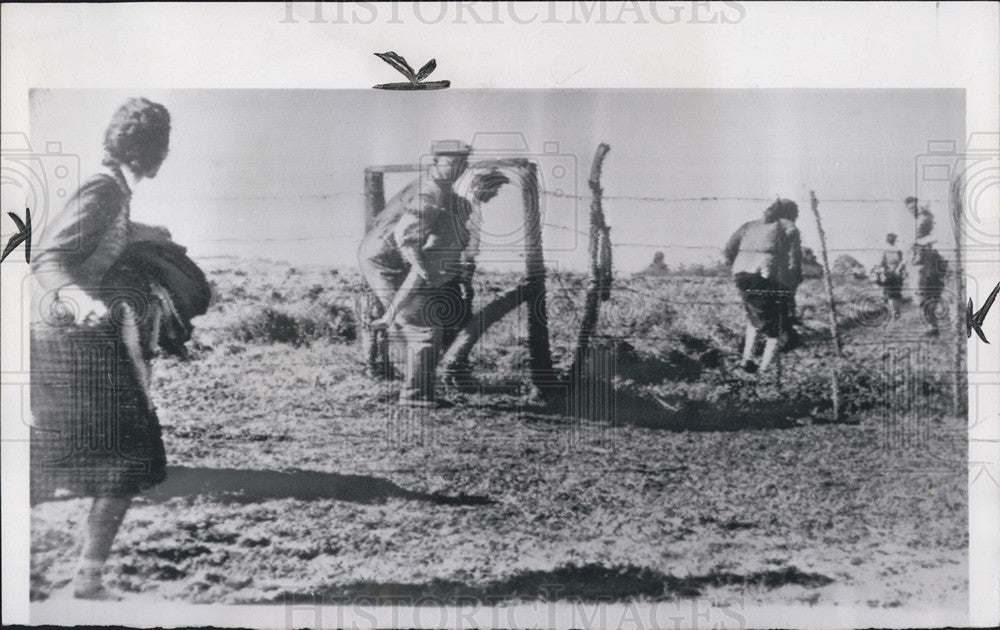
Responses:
[292,472]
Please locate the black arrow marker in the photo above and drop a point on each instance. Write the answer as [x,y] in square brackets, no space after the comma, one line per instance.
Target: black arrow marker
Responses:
[974,321]
[23,236]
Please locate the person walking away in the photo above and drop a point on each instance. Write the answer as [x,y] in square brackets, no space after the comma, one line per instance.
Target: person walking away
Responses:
[765,257]
[932,269]
[890,274]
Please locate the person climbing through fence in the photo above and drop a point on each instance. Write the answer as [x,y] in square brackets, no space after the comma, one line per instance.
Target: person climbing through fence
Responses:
[109,292]
[890,274]
[412,259]
[766,260]
[482,187]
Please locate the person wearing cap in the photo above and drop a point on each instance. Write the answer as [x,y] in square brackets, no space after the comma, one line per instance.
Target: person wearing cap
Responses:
[932,269]
[480,188]
[766,260]
[411,258]
[890,273]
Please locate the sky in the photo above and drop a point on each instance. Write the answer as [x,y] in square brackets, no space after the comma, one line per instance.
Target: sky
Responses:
[279,173]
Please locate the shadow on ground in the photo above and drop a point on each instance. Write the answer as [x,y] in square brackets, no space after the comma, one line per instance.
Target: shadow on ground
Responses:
[611,392]
[249,486]
[589,583]
[602,402]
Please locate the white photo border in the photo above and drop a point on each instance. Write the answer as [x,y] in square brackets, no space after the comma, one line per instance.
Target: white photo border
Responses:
[537,45]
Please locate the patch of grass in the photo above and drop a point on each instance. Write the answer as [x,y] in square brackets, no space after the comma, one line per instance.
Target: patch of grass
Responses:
[296,325]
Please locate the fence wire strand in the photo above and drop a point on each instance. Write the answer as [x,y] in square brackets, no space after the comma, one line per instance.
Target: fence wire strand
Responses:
[550,193]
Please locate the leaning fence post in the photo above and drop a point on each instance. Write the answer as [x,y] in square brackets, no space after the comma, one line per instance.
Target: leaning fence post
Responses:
[456,357]
[835,335]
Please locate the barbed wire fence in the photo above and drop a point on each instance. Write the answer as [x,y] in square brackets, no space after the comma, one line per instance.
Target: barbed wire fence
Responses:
[359,197]
[553,223]
[910,374]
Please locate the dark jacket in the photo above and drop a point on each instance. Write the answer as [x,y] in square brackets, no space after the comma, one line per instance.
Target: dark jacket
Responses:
[932,268]
[89,234]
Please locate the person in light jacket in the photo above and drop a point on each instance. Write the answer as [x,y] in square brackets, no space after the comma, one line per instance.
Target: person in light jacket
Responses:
[890,274]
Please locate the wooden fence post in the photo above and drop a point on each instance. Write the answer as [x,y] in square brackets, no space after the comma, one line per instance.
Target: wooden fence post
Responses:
[374,196]
[374,342]
[838,350]
[599,283]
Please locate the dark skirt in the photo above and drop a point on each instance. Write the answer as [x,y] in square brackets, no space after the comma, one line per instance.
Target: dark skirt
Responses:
[892,287]
[766,302]
[93,431]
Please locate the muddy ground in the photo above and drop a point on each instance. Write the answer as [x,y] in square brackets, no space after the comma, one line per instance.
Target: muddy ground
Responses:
[293,474]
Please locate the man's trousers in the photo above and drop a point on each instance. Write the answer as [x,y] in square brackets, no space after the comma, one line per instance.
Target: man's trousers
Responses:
[414,332]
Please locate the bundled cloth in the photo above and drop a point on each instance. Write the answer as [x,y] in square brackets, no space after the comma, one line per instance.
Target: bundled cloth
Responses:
[178,283]
[95,431]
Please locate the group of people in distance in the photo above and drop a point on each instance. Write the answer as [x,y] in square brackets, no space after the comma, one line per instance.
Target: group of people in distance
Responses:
[891,271]
[766,260]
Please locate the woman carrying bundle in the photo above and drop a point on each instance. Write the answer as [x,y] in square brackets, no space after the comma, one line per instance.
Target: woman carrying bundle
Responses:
[108,293]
